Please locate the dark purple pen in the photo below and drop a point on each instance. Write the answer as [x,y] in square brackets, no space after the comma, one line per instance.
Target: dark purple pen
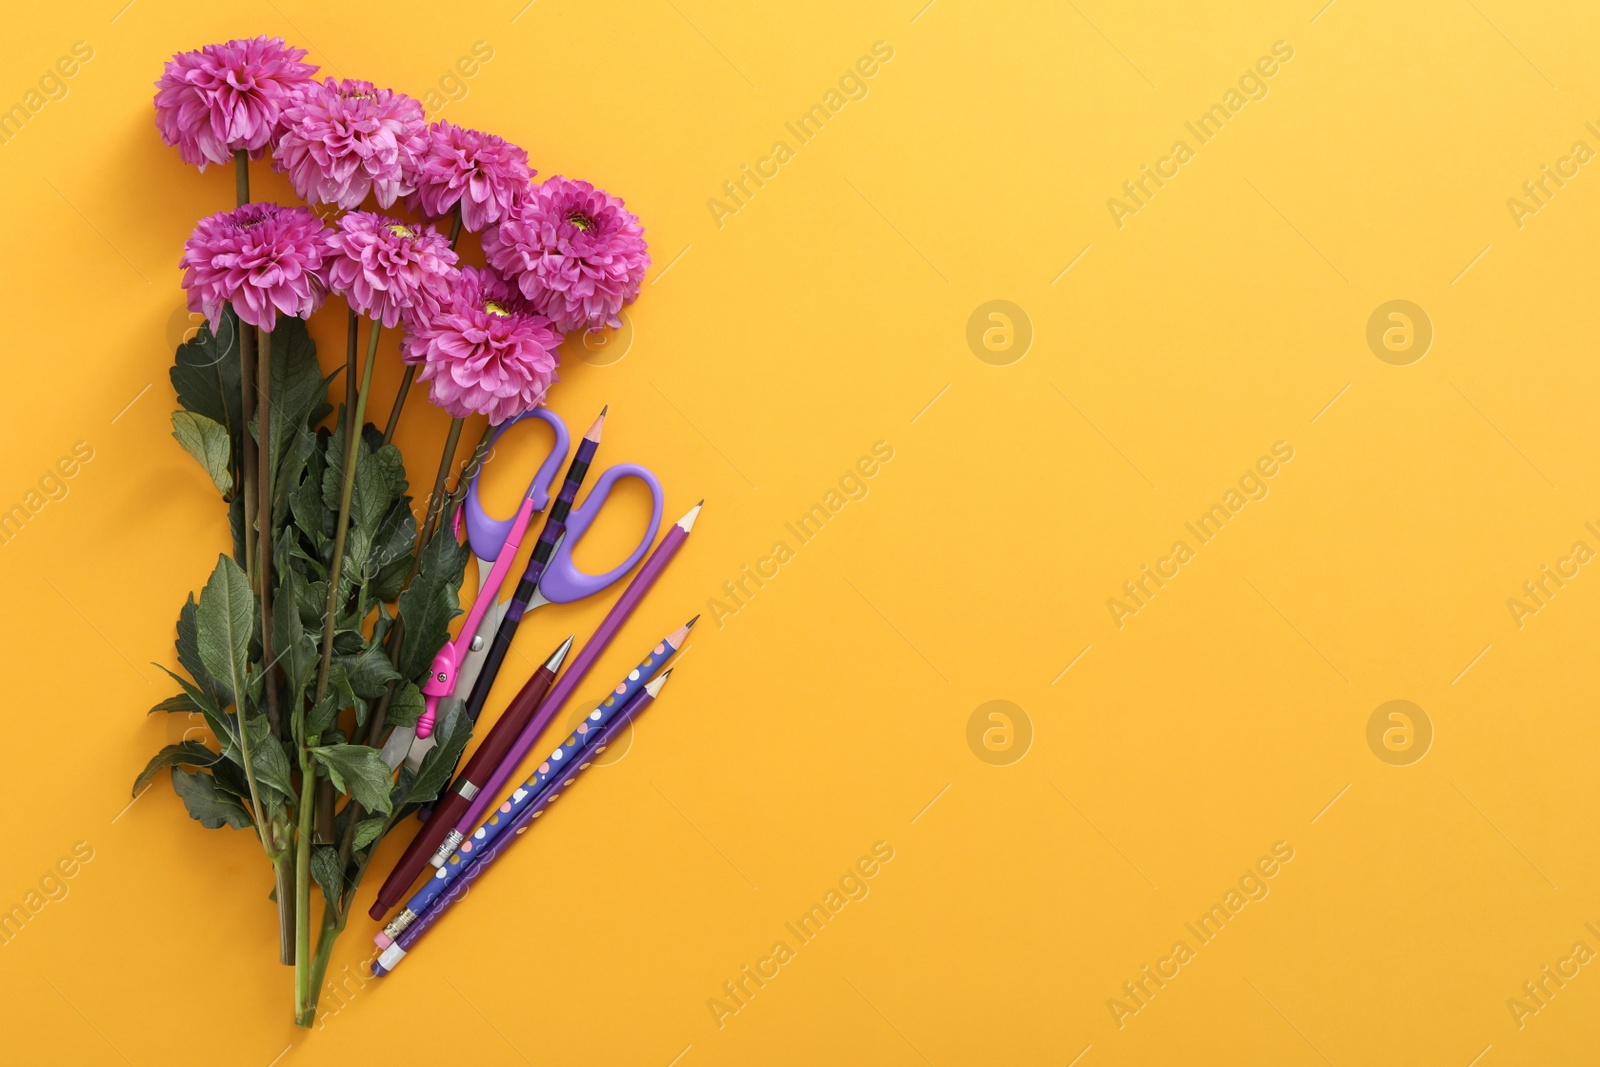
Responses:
[555,524]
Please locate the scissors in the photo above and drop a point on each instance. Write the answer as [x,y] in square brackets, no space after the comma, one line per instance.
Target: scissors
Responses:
[470,662]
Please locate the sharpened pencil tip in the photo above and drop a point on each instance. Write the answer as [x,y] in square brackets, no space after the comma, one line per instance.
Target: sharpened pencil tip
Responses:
[604,410]
[687,522]
[594,431]
[653,686]
[692,621]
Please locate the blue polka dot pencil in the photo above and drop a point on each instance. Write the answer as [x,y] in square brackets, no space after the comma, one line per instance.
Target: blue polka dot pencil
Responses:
[457,876]
[530,790]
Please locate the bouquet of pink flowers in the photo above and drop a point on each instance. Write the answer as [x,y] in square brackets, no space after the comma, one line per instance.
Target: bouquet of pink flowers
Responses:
[310,639]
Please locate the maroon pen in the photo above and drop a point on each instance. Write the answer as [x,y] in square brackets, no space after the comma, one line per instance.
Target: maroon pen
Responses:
[453,803]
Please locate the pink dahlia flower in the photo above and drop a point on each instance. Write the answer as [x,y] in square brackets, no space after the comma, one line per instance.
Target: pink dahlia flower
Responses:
[343,139]
[385,268]
[262,258]
[227,97]
[483,173]
[575,252]
[485,352]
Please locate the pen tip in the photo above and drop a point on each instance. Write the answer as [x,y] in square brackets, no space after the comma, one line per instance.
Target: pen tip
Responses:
[560,654]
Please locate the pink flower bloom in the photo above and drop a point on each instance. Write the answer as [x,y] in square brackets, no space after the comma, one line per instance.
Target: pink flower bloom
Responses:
[262,258]
[575,252]
[385,268]
[485,352]
[227,97]
[483,173]
[342,139]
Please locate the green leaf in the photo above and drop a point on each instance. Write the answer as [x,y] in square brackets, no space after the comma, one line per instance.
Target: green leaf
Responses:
[178,704]
[206,441]
[221,725]
[297,651]
[217,695]
[267,755]
[369,672]
[207,804]
[319,718]
[339,683]
[358,770]
[407,705]
[368,831]
[225,618]
[187,753]
[453,732]
[205,375]
[325,869]
[298,388]
[429,603]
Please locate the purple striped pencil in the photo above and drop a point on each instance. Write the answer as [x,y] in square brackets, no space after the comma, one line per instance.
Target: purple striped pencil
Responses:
[465,873]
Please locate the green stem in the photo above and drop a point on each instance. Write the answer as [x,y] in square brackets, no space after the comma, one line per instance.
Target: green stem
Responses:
[353,424]
[247,442]
[241,176]
[399,402]
[305,989]
[264,516]
[306,1009]
[284,867]
[455,225]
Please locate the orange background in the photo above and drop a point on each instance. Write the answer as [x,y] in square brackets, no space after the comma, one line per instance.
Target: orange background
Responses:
[1136,773]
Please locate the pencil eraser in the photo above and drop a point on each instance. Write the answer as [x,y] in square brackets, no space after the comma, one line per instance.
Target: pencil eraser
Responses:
[383,940]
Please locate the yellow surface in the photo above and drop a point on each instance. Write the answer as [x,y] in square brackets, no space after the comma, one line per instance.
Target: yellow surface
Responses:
[778,340]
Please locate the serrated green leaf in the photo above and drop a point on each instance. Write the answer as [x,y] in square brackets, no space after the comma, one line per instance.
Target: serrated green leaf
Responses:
[178,704]
[207,804]
[205,375]
[453,732]
[406,706]
[185,753]
[297,651]
[325,869]
[368,672]
[221,725]
[218,695]
[368,831]
[319,718]
[358,770]
[297,389]
[207,442]
[225,618]
[430,602]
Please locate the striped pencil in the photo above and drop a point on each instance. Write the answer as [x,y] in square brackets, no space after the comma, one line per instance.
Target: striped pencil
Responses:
[582,737]
[619,696]
[456,877]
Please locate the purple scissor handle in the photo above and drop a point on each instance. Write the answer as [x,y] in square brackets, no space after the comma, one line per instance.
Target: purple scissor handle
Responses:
[562,582]
[486,534]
